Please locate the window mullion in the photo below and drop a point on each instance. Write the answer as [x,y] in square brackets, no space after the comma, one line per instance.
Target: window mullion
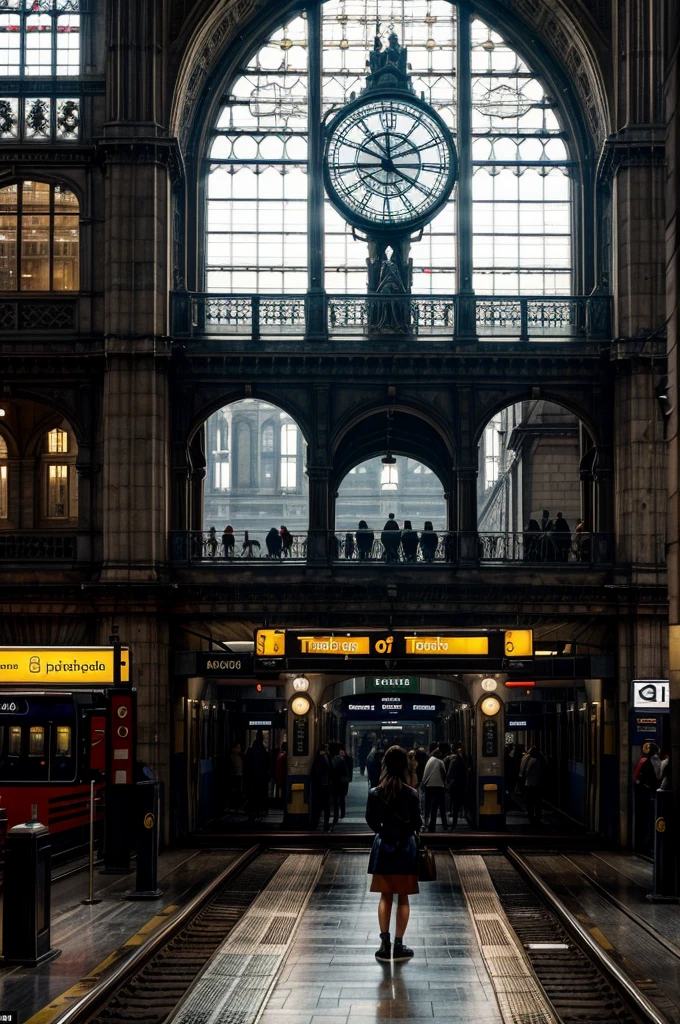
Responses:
[464,204]
[316,318]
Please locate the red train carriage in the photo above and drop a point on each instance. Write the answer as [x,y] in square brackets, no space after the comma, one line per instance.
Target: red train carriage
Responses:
[55,737]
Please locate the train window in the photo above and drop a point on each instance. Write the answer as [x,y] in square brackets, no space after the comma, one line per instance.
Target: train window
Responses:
[36,741]
[14,747]
[63,747]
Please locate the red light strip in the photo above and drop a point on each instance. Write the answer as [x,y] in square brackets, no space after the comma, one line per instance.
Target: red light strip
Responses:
[513,684]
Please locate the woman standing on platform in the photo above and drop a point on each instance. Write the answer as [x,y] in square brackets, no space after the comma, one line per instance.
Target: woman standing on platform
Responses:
[393,813]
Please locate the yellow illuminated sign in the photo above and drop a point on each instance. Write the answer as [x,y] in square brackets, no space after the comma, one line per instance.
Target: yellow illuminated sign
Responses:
[337,645]
[446,645]
[519,643]
[62,666]
[270,643]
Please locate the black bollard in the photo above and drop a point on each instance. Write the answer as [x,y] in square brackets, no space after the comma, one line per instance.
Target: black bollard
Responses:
[26,910]
[147,833]
[118,813]
[665,877]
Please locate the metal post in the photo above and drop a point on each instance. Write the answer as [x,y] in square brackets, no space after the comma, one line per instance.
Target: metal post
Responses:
[466,327]
[91,900]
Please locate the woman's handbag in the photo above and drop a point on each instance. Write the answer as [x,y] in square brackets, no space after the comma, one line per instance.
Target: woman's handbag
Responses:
[426,864]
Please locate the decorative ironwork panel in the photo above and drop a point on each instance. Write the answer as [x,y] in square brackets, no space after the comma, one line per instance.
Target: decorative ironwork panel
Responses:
[8,316]
[499,313]
[47,316]
[37,547]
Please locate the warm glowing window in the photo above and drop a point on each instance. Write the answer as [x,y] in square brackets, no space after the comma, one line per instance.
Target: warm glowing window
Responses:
[57,492]
[36,741]
[14,746]
[57,441]
[63,741]
[39,238]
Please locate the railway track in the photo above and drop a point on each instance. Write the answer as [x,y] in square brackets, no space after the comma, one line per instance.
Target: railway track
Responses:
[580,982]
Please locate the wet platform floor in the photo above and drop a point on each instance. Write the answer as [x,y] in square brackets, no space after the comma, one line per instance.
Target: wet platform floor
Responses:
[88,935]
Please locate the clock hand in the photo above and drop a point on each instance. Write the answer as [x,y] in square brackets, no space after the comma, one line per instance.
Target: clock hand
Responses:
[412,181]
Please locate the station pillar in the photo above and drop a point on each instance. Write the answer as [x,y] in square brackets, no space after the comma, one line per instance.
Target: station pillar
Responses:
[490,790]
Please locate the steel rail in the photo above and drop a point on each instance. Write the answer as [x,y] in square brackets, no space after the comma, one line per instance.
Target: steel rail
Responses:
[642,1006]
[90,1002]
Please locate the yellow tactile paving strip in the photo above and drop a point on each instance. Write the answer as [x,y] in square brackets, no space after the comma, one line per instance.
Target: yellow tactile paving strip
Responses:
[234,986]
[86,984]
[521,999]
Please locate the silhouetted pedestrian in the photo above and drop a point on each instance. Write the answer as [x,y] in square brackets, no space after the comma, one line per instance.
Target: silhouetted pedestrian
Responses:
[428,542]
[562,538]
[365,538]
[286,542]
[409,542]
[256,777]
[273,542]
[228,541]
[390,538]
[320,782]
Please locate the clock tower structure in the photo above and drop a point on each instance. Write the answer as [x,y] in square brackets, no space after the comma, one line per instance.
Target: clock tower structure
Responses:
[389,167]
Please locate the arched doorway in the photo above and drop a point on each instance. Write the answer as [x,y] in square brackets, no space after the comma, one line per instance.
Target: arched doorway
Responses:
[536,487]
[255,483]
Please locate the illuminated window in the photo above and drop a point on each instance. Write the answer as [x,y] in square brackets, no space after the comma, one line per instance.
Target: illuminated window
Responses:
[57,492]
[4,500]
[221,475]
[519,179]
[492,452]
[63,741]
[36,741]
[267,438]
[389,478]
[289,445]
[57,441]
[14,747]
[39,238]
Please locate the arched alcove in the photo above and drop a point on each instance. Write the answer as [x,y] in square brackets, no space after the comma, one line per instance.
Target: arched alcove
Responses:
[255,478]
[537,492]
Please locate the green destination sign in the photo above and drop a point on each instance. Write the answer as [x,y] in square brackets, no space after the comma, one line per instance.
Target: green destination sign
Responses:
[392,684]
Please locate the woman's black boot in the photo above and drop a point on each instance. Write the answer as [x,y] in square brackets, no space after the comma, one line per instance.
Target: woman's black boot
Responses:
[401,952]
[385,951]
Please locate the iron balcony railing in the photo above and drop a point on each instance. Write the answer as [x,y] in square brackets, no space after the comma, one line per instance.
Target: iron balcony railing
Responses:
[49,546]
[487,317]
[417,548]
[216,548]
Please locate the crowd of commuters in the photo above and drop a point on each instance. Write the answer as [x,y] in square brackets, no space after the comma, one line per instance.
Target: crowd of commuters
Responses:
[331,773]
[396,544]
[551,540]
[279,544]
[251,775]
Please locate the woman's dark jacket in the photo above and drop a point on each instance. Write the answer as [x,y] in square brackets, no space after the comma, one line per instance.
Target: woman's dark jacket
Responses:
[396,825]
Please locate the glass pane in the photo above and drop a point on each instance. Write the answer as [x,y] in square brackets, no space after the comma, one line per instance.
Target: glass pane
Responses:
[57,492]
[68,44]
[66,248]
[68,119]
[65,201]
[38,118]
[36,741]
[38,45]
[8,252]
[63,741]
[9,117]
[35,252]
[14,747]
[4,506]
[57,441]
[10,44]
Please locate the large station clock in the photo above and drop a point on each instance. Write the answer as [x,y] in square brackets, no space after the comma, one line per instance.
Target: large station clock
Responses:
[390,163]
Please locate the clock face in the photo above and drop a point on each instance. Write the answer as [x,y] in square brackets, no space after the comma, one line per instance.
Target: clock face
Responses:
[389,163]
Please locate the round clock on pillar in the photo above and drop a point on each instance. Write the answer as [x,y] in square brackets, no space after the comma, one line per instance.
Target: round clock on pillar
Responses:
[389,167]
[390,164]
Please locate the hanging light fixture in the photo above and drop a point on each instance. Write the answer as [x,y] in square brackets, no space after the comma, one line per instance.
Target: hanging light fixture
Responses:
[388,459]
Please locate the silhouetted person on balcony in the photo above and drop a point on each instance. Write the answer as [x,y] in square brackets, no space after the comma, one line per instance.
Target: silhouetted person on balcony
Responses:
[428,542]
[409,542]
[532,541]
[390,537]
[562,538]
[365,538]
[228,541]
[273,542]
[547,549]
[286,541]
[212,542]
[248,545]
[349,545]
[582,541]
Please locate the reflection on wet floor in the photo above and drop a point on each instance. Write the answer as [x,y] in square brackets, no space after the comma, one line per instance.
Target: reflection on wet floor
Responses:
[331,975]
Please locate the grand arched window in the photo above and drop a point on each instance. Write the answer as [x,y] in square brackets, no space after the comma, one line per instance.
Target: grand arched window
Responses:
[506,229]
